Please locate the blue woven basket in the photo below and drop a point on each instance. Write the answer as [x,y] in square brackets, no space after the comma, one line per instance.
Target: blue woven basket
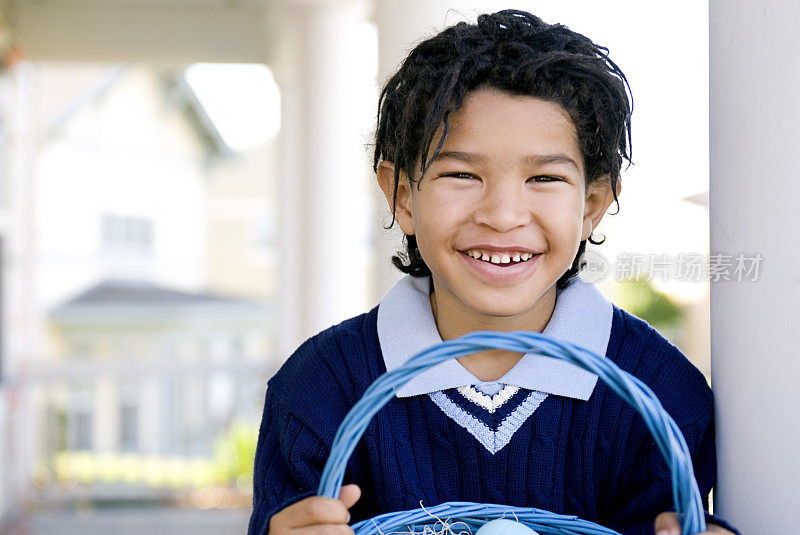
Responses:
[457,517]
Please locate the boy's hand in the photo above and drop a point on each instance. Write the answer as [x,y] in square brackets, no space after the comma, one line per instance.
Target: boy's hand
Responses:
[667,524]
[317,515]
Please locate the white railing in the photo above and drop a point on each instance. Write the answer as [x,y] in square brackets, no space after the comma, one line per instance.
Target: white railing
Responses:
[57,395]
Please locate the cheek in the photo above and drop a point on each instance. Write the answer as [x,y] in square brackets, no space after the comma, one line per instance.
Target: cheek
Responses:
[437,223]
[561,216]
[437,213]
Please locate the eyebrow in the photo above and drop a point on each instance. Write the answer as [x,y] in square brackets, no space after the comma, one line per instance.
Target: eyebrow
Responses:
[531,159]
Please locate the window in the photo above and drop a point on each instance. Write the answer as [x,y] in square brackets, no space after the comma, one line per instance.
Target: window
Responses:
[129,428]
[131,234]
[81,430]
[129,418]
[80,436]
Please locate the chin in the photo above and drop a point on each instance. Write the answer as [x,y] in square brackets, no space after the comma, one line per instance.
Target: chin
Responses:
[506,310]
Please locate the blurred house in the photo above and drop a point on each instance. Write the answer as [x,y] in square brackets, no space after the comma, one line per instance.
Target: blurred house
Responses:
[152,272]
[141,368]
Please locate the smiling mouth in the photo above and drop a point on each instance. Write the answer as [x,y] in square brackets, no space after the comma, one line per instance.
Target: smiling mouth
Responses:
[500,259]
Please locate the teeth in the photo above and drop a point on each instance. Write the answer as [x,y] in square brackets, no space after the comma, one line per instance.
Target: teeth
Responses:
[500,258]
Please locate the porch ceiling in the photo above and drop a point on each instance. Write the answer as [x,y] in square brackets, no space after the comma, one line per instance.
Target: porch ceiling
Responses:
[153,31]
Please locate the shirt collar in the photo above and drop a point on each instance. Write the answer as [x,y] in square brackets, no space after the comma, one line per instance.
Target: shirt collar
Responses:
[406,326]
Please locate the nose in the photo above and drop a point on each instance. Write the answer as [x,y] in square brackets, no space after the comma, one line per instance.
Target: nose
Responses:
[503,208]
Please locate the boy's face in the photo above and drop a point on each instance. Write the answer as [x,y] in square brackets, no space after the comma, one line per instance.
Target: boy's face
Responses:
[509,182]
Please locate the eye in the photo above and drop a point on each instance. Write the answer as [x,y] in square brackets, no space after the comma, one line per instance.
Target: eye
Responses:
[546,178]
[459,175]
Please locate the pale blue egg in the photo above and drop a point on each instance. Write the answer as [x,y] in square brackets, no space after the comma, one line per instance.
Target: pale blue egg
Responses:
[504,526]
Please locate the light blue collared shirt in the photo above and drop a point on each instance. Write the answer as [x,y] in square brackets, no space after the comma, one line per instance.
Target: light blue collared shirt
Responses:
[406,326]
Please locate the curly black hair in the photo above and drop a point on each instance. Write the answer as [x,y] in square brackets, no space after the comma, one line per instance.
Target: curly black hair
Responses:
[518,53]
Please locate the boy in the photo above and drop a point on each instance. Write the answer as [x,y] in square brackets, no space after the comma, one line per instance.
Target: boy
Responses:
[499,147]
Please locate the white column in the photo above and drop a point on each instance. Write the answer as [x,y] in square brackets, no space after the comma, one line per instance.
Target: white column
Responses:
[150,417]
[105,414]
[283,42]
[23,328]
[5,458]
[326,74]
[755,354]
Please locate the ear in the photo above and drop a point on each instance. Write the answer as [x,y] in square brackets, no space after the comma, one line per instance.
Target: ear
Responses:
[403,209]
[598,198]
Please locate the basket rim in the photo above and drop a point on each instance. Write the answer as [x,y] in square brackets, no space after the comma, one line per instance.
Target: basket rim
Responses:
[667,434]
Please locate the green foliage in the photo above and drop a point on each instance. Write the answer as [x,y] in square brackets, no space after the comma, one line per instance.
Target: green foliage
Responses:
[235,452]
[232,464]
[640,298]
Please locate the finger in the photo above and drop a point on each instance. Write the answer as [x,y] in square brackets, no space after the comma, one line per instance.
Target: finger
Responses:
[310,511]
[350,495]
[712,528]
[667,524]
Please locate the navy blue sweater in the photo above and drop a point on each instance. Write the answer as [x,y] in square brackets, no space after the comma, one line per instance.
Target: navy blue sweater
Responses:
[594,459]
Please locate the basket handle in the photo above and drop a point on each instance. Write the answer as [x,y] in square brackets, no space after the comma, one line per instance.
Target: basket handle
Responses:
[665,431]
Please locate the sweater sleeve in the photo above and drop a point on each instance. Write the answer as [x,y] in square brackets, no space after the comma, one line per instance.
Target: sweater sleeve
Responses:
[635,485]
[649,491]
[288,463]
